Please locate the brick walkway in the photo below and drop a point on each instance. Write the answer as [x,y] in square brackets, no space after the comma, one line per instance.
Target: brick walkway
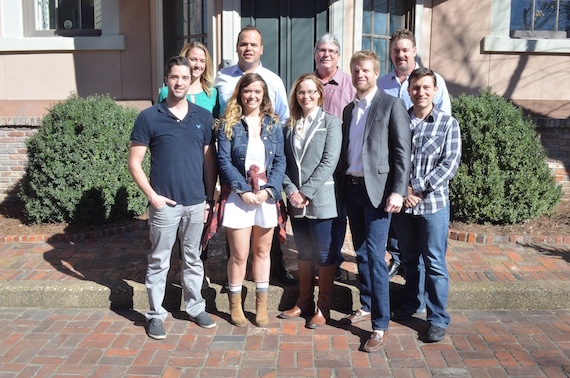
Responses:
[101,343]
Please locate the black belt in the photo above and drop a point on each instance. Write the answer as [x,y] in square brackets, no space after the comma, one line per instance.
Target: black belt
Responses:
[355,180]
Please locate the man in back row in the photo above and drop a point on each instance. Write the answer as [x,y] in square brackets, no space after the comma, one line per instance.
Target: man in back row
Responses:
[249,48]
[339,92]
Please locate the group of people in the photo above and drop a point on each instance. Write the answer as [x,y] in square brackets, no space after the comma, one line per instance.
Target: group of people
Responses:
[341,146]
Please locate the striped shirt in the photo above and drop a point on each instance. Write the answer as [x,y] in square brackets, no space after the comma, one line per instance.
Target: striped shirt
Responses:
[436,153]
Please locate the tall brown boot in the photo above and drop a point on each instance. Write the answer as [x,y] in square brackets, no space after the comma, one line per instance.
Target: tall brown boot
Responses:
[305,303]
[326,281]
[236,310]
[261,318]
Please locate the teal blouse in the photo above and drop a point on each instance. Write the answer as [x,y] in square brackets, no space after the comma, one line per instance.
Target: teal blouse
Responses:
[200,99]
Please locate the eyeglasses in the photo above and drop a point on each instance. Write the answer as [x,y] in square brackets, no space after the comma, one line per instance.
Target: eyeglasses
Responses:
[303,93]
[331,52]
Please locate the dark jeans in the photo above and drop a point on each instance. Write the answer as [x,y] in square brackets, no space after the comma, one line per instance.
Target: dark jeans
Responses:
[338,234]
[394,248]
[369,228]
[313,240]
[424,238]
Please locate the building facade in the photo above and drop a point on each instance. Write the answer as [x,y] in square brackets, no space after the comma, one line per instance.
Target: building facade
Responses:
[50,48]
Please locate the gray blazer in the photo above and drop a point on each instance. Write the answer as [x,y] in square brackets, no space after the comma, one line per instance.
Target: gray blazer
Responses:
[386,152]
[311,171]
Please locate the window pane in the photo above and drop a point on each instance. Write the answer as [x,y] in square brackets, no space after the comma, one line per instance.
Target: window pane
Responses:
[564,17]
[365,43]
[366,16]
[520,14]
[380,17]
[545,15]
[397,16]
[380,50]
[45,14]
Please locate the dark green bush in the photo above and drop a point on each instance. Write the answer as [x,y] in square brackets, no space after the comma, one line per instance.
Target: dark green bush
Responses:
[77,164]
[503,177]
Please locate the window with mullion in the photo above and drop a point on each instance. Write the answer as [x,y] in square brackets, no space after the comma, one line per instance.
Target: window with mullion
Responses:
[380,19]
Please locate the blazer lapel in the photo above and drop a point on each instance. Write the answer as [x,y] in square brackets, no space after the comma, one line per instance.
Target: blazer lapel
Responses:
[310,132]
[376,100]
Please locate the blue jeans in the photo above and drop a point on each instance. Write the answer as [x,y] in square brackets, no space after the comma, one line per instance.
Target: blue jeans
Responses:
[338,234]
[313,240]
[424,237]
[394,249]
[167,225]
[369,228]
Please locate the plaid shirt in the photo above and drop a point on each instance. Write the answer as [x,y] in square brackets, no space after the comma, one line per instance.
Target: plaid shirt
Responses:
[436,153]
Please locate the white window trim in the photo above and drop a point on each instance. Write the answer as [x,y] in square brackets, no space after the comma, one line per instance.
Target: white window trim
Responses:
[15,40]
[500,40]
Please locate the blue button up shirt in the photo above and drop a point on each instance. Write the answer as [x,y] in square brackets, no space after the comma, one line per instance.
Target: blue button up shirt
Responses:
[391,86]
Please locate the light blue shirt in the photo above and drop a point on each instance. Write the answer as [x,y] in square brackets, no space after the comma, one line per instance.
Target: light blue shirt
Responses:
[228,77]
[391,86]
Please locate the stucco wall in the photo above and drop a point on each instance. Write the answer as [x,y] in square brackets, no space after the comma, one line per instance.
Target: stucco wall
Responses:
[455,31]
[32,79]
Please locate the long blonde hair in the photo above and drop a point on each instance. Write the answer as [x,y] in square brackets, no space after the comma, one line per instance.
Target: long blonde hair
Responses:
[207,77]
[234,109]
[294,107]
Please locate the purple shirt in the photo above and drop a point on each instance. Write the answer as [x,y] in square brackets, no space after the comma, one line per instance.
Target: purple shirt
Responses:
[339,91]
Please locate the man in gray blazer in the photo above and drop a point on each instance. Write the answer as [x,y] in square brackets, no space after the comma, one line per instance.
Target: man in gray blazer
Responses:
[375,155]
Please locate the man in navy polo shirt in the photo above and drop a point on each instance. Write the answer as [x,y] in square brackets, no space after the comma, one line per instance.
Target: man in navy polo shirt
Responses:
[179,136]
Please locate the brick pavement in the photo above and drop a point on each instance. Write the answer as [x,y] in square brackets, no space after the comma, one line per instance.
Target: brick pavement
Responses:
[99,342]
[103,343]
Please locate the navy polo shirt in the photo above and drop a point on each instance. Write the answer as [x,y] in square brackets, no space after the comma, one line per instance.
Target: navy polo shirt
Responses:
[176,150]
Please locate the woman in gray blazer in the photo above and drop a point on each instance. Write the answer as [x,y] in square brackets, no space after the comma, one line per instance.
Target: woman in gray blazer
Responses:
[313,141]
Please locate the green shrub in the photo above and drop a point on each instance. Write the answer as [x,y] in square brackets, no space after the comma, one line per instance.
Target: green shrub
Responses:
[77,164]
[503,177]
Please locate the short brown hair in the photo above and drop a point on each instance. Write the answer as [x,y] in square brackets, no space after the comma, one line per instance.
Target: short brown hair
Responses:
[403,34]
[366,55]
[422,72]
[247,29]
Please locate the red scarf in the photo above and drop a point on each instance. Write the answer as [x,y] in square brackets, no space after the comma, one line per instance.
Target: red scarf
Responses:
[217,215]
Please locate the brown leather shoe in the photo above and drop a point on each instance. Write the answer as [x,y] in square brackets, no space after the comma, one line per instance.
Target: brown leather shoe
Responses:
[356,317]
[376,341]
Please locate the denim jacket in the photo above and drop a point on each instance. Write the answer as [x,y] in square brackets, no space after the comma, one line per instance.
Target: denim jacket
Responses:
[231,157]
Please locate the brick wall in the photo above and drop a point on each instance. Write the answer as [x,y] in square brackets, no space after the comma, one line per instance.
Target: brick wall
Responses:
[555,137]
[554,134]
[13,134]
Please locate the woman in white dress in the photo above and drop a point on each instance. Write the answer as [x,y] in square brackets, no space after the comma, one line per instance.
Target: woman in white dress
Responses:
[252,165]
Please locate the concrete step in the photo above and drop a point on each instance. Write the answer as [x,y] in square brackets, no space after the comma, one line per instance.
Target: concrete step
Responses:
[133,295]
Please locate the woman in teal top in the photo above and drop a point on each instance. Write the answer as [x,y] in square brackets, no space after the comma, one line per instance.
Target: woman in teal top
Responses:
[201,91]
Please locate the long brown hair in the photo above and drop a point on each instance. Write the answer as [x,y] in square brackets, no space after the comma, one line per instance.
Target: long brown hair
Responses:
[294,107]
[234,107]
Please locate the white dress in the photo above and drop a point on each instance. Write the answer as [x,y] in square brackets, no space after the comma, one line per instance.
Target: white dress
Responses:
[238,214]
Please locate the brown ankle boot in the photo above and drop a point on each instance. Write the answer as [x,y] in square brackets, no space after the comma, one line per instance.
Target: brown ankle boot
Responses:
[261,318]
[326,281]
[305,303]
[236,310]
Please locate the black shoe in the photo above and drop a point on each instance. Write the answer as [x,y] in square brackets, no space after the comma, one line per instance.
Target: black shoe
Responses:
[435,334]
[284,276]
[393,268]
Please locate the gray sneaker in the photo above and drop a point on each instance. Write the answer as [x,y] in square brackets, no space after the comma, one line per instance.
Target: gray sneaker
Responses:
[156,329]
[204,320]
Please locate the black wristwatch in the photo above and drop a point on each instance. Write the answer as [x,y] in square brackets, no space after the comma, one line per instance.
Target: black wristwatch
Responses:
[211,202]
